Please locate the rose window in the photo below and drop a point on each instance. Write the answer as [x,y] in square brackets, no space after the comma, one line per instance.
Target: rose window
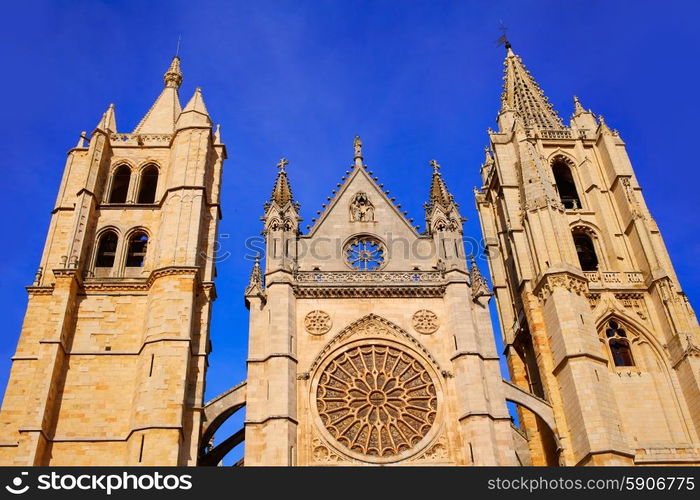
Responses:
[365,254]
[376,400]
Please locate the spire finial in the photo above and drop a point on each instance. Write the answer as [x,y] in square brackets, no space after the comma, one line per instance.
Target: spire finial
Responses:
[487,155]
[282,164]
[255,283]
[578,109]
[173,77]
[177,49]
[435,165]
[357,145]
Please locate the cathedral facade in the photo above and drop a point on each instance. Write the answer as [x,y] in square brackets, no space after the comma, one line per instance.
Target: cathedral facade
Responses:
[370,341]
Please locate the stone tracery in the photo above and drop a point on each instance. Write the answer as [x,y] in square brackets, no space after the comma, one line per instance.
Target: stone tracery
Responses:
[376,400]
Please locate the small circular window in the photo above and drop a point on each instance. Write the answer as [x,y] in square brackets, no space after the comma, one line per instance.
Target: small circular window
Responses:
[365,253]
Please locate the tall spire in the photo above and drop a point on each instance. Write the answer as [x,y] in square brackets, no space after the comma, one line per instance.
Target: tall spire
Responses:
[162,116]
[522,94]
[439,194]
[282,192]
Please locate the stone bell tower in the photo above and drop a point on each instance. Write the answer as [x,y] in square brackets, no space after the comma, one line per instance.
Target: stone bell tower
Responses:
[110,364]
[594,320]
[371,343]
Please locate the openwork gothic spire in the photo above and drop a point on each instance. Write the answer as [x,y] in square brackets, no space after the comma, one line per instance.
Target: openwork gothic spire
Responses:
[282,192]
[522,94]
[173,77]
[255,282]
[439,194]
[479,285]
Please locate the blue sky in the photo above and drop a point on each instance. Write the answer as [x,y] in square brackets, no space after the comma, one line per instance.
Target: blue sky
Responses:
[416,79]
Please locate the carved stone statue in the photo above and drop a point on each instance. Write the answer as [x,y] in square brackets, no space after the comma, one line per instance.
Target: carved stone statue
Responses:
[361,209]
[358,147]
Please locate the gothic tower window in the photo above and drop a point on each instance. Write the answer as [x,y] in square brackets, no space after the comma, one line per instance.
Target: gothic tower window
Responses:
[565,184]
[120,184]
[106,249]
[136,253]
[586,251]
[619,344]
[149,182]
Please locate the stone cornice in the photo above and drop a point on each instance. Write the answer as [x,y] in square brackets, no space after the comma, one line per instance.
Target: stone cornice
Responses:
[565,280]
[144,284]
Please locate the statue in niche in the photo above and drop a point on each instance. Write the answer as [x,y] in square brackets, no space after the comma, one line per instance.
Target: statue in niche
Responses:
[361,209]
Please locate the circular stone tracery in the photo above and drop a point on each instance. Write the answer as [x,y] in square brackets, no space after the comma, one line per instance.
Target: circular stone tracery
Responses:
[376,400]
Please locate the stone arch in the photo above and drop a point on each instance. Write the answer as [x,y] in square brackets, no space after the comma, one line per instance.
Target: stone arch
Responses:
[536,405]
[544,413]
[216,412]
[576,197]
[390,328]
[119,168]
[140,188]
[96,243]
[593,232]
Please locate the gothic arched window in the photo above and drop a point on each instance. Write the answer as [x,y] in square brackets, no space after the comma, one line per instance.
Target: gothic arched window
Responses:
[149,182]
[120,184]
[586,251]
[136,252]
[619,344]
[106,249]
[565,184]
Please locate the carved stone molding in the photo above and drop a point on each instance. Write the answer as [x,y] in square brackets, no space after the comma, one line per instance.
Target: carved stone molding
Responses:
[322,454]
[437,453]
[368,291]
[425,322]
[633,302]
[317,322]
[346,277]
[593,299]
[563,280]
[372,326]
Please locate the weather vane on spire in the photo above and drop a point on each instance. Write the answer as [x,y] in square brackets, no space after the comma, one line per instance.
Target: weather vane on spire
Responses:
[435,165]
[282,163]
[503,39]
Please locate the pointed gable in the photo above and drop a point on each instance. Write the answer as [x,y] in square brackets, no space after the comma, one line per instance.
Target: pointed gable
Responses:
[361,208]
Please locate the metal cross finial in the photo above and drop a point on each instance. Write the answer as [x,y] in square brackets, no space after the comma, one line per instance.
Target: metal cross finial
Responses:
[435,165]
[503,39]
[282,163]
